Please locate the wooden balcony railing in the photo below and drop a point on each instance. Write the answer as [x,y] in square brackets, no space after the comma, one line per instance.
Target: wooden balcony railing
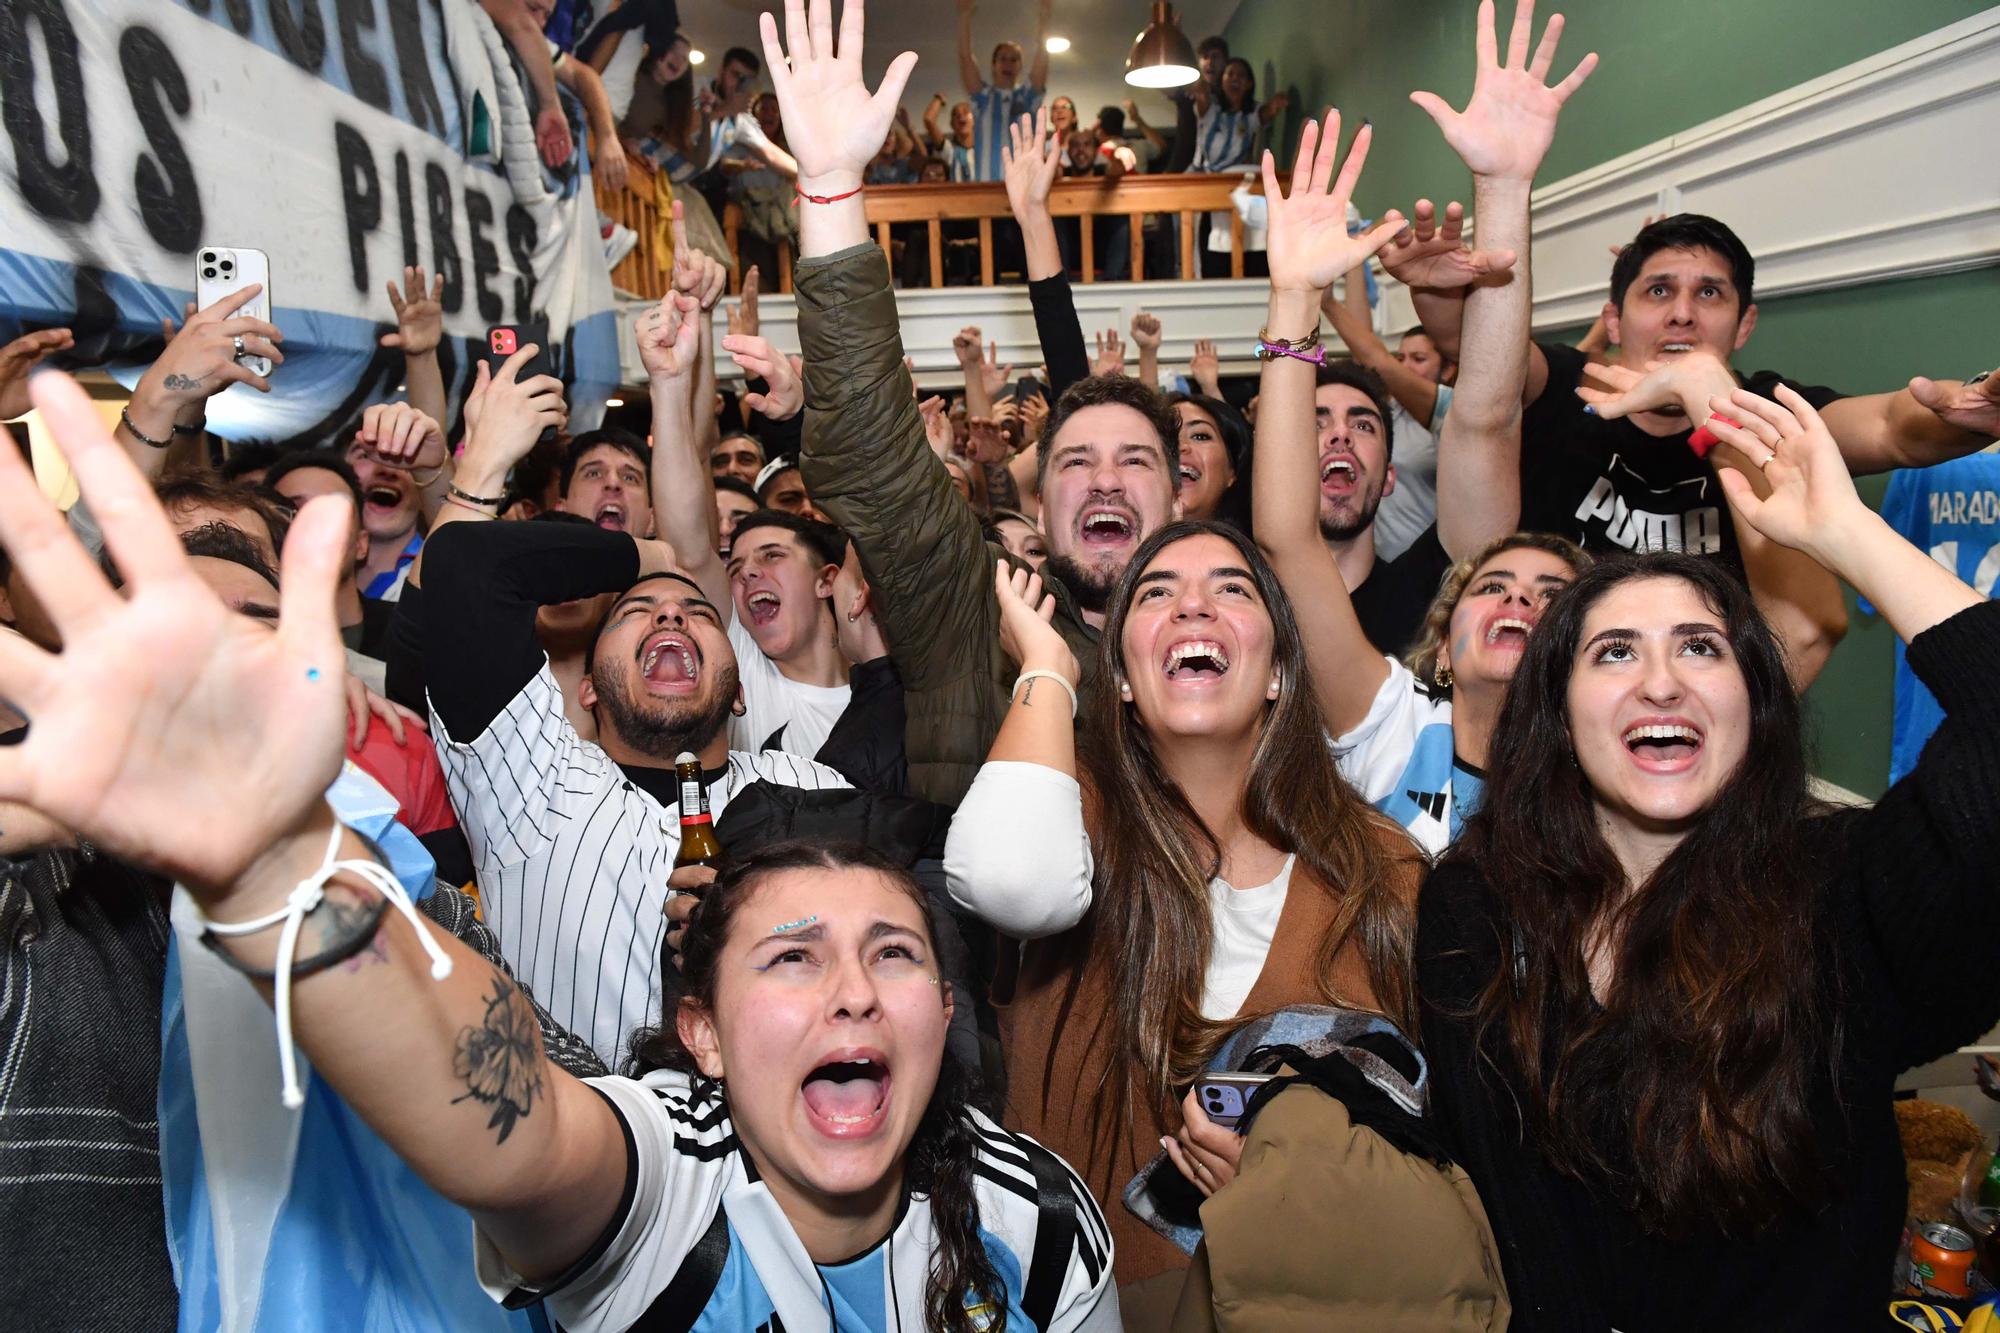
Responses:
[646,270]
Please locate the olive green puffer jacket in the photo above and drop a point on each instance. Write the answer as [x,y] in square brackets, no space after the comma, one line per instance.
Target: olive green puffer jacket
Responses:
[867,464]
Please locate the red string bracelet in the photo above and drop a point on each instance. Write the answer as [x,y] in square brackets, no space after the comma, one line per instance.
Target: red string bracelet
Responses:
[1705,439]
[827,198]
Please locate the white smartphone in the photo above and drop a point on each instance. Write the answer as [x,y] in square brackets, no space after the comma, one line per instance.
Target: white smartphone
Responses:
[222,270]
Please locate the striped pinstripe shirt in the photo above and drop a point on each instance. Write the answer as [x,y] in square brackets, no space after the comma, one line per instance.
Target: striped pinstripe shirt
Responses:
[573,857]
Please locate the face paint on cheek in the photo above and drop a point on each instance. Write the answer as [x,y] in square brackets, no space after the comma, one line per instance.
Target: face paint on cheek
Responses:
[1459,644]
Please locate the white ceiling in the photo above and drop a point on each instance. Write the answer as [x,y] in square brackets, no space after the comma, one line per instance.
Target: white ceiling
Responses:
[1091,72]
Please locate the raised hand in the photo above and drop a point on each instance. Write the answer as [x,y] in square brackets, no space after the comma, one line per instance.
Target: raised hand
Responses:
[1034,414]
[1146,331]
[1506,129]
[1812,495]
[833,125]
[201,361]
[991,373]
[1432,254]
[785,397]
[1969,406]
[695,273]
[402,436]
[1683,383]
[965,346]
[1205,367]
[1030,160]
[19,357]
[1026,634]
[742,317]
[199,755]
[419,313]
[988,440]
[1309,244]
[1109,359]
[504,416]
[669,337]
[937,425]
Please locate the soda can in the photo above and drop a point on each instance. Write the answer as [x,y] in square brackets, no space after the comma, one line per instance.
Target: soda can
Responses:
[1940,1261]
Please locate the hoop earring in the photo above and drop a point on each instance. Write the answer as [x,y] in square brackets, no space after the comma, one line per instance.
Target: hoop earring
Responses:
[1441,676]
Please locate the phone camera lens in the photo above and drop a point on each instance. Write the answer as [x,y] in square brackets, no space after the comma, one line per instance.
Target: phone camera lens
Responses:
[208,256]
[208,272]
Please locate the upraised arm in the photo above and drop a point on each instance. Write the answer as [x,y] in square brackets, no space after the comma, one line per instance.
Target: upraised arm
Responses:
[1038,72]
[969,72]
[1308,248]
[200,361]
[1926,423]
[129,753]
[1502,135]
[1349,316]
[683,487]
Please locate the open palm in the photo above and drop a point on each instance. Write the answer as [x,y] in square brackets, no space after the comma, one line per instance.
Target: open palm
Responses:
[1431,253]
[1309,245]
[833,125]
[1506,129]
[170,730]
[1811,490]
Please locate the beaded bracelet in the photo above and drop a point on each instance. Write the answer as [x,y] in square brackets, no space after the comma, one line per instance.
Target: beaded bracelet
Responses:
[125,418]
[1270,351]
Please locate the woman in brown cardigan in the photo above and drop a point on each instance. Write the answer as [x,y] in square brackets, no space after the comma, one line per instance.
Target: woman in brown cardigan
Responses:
[1210,865]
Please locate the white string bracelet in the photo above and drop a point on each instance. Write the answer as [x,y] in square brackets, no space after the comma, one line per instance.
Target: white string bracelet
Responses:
[1055,676]
[306,897]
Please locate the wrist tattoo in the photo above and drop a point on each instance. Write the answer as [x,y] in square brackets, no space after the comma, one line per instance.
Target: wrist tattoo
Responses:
[500,1061]
[175,380]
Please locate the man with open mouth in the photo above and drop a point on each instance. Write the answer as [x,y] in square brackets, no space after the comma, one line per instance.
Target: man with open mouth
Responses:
[781,573]
[605,478]
[574,840]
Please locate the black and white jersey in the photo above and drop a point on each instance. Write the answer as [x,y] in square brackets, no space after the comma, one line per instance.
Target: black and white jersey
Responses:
[699,1243]
[573,857]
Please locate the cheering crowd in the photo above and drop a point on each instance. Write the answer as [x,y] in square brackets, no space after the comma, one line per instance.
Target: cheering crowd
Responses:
[1379,887]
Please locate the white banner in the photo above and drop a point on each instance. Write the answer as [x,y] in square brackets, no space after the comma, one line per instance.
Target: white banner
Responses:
[345,138]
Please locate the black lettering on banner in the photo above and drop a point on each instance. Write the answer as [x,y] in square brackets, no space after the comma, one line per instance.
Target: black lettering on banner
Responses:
[444,245]
[239,15]
[65,190]
[406,209]
[163,183]
[360,196]
[485,259]
[521,240]
[364,71]
[301,36]
[413,66]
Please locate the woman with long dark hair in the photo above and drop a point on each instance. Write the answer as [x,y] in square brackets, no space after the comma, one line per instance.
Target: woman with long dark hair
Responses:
[1665,997]
[1215,459]
[1199,864]
[806,1157]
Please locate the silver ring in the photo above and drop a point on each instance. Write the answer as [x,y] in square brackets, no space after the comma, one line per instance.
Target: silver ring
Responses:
[238,341]
[1766,460]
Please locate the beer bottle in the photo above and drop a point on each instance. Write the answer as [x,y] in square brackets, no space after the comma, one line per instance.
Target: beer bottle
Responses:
[698,844]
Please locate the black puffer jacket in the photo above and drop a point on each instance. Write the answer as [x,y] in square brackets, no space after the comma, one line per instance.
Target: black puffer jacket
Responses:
[867,464]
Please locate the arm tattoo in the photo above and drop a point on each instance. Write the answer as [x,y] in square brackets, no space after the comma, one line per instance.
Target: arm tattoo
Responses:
[179,381]
[500,1061]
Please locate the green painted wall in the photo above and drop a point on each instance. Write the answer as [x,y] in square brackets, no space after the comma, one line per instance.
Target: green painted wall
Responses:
[1665,68]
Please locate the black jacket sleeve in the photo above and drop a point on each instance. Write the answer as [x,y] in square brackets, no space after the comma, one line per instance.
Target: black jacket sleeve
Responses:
[1060,332]
[403,649]
[483,583]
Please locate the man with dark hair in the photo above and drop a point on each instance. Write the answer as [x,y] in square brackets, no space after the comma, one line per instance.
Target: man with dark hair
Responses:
[304,473]
[574,840]
[1001,99]
[1607,457]
[781,573]
[1101,429]
[246,460]
[739,455]
[733,500]
[606,477]
[1357,471]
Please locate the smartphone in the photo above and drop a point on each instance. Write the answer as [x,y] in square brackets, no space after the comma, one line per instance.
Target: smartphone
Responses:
[1224,1098]
[503,340]
[222,270]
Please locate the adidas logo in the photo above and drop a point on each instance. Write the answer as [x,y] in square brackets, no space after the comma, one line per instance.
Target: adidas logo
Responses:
[1431,802]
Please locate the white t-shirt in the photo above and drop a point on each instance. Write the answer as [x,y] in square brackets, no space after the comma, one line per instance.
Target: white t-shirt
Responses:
[1246,921]
[1030,887]
[773,701]
[1408,512]
[1402,760]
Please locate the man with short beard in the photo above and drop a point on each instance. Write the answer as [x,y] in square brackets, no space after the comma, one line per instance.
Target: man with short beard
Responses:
[575,841]
[1356,472]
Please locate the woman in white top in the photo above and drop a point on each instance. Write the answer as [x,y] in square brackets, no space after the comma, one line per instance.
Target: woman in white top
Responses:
[1204,862]
[812,1163]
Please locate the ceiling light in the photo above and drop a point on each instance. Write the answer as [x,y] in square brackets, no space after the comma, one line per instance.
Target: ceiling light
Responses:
[614,402]
[695,56]
[1057,45]
[1162,56]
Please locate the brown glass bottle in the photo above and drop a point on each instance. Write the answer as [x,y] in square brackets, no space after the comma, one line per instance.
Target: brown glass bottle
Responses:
[698,844]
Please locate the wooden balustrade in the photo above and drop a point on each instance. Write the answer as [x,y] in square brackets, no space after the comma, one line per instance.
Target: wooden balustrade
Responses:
[647,269]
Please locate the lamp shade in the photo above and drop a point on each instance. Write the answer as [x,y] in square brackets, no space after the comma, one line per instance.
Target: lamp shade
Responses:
[1162,56]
